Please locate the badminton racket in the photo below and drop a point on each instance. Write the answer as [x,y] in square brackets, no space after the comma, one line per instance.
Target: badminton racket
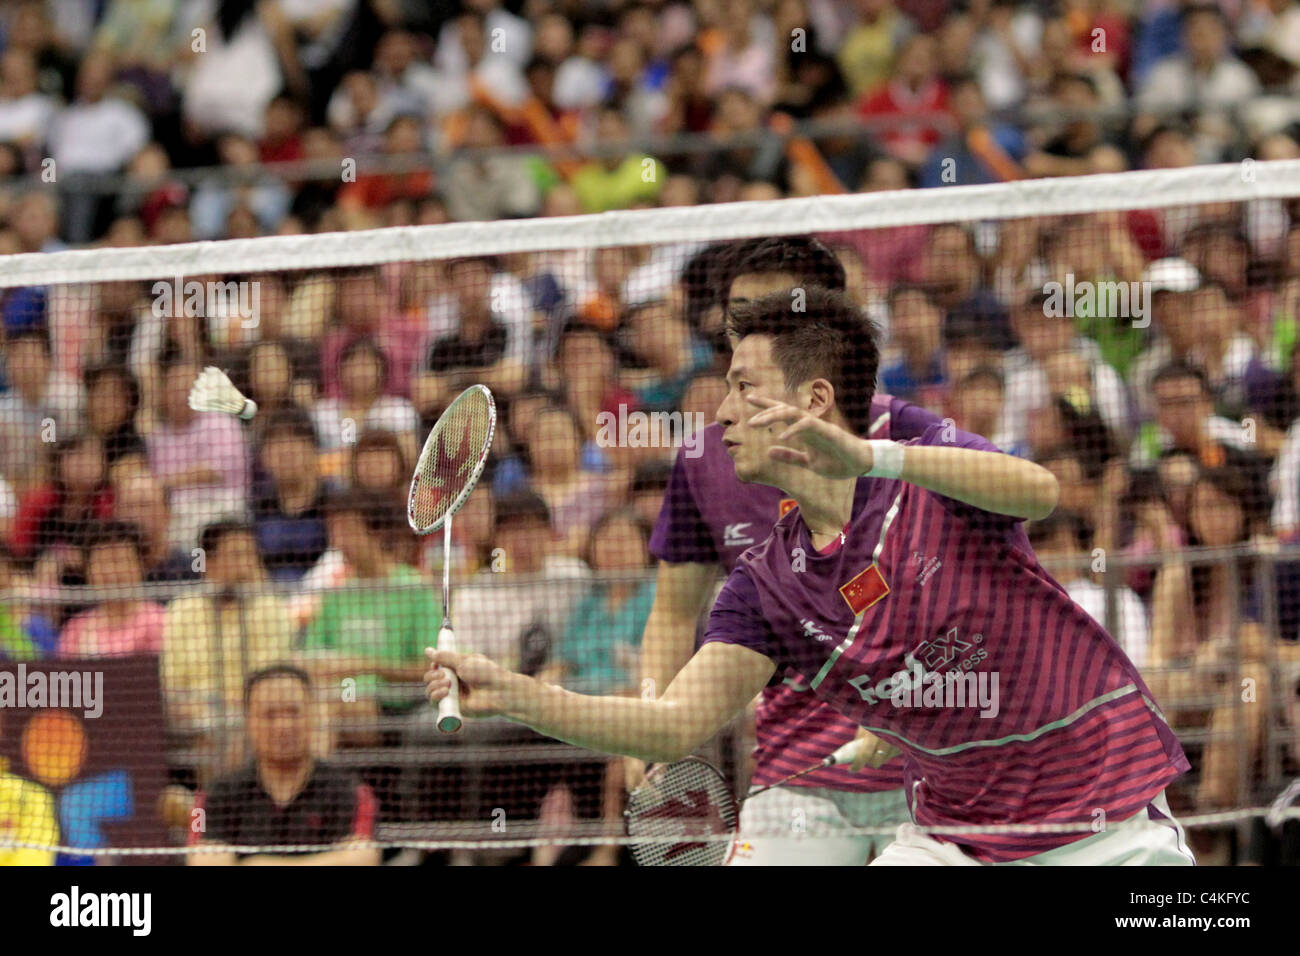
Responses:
[449,466]
[683,811]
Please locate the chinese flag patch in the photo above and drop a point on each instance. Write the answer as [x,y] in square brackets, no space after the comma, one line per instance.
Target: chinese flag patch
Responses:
[784,508]
[865,589]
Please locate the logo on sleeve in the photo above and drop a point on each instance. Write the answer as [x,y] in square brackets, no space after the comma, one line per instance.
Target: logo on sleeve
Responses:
[865,590]
[735,535]
[784,508]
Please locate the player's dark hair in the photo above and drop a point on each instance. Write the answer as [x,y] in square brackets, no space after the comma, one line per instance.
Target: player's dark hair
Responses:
[275,670]
[830,338]
[809,260]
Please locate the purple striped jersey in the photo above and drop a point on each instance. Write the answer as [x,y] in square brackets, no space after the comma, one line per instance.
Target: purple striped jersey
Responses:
[711,517]
[935,627]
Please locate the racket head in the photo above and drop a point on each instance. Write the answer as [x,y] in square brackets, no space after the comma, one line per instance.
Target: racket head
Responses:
[677,801]
[452,459]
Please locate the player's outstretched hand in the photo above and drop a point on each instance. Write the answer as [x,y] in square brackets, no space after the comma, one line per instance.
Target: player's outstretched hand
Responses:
[823,447]
[486,688]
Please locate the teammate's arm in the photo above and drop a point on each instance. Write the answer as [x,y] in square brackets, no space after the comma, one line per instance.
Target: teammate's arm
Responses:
[715,685]
[681,596]
[988,480]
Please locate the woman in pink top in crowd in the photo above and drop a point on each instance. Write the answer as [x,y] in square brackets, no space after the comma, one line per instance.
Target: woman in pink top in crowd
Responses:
[119,625]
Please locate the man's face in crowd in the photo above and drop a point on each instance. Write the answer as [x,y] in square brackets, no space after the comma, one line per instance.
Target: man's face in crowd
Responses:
[279,719]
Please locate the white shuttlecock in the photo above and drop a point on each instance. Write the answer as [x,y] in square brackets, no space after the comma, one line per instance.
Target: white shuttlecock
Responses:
[214,392]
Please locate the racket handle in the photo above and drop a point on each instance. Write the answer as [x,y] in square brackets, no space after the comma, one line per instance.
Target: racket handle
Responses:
[449,719]
[845,754]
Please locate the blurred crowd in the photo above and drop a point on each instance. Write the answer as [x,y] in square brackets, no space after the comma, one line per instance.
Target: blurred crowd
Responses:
[954,92]
[1171,419]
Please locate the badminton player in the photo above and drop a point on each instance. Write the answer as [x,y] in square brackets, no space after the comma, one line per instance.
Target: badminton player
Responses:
[710,518]
[917,574]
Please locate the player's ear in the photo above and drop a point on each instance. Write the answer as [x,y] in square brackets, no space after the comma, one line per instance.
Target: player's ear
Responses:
[818,397]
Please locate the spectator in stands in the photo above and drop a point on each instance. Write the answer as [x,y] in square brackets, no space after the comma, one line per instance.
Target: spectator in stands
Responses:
[1205,78]
[492,186]
[200,457]
[34,219]
[575,496]
[42,405]
[379,465]
[1185,420]
[516,617]
[1063,541]
[1223,350]
[286,795]
[1076,143]
[916,92]
[469,65]
[488,336]
[739,52]
[868,53]
[139,499]
[24,634]
[980,151]
[672,355]
[366,403]
[213,641]
[1099,248]
[617,181]
[25,112]
[271,382]
[915,339]
[588,371]
[241,184]
[1170,282]
[289,502]
[597,650]
[976,404]
[1285,518]
[54,518]
[112,400]
[1053,360]
[373,633]
[121,624]
[1223,633]
[403,137]
[247,57]
[366,311]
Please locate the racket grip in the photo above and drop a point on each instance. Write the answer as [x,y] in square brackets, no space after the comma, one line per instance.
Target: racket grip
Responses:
[845,754]
[449,719]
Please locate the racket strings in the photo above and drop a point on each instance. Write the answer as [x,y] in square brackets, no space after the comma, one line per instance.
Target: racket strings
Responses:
[447,466]
[678,816]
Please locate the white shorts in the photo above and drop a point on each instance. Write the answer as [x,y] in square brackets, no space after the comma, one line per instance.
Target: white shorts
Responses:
[1144,839]
[811,826]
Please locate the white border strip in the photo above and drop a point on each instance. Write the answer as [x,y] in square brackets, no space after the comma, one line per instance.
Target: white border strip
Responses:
[1150,189]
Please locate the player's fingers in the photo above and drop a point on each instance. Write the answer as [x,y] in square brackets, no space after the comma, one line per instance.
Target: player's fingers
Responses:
[789,455]
[443,658]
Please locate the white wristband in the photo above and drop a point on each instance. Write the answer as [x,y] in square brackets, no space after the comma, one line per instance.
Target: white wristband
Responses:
[886,459]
